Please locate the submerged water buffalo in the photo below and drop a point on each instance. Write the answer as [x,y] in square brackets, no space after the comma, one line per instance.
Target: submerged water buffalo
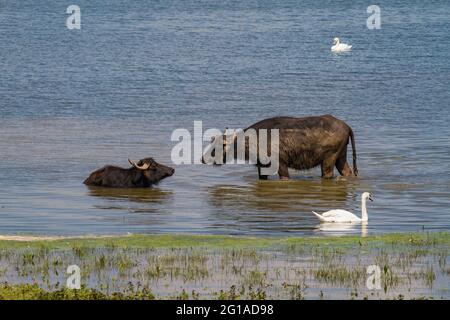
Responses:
[303,143]
[143,174]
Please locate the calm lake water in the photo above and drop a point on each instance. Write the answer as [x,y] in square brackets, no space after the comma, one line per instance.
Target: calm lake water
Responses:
[72,101]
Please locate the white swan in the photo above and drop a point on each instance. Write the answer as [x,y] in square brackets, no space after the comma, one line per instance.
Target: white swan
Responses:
[345,216]
[340,47]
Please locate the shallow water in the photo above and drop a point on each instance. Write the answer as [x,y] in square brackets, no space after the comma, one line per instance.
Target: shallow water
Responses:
[74,100]
[296,272]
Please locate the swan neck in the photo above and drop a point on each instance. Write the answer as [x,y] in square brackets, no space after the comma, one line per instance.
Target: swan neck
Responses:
[364,216]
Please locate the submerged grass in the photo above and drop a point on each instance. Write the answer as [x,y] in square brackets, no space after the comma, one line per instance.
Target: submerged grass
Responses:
[35,292]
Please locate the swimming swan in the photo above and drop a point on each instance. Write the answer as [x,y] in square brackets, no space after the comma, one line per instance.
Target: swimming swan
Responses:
[345,216]
[340,47]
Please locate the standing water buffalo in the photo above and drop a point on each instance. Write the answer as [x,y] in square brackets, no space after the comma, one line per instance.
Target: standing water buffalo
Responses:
[141,175]
[304,143]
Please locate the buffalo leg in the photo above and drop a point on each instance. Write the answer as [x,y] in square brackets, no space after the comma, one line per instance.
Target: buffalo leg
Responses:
[261,176]
[328,168]
[342,165]
[283,172]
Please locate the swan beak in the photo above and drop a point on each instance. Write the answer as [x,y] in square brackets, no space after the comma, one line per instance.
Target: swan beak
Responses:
[370,198]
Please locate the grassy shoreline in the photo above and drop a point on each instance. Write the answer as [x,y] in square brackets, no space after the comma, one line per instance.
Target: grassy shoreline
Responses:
[413,265]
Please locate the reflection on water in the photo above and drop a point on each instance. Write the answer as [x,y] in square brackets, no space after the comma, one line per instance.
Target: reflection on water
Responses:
[280,196]
[138,195]
[343,228]
[282,205]
[136,200]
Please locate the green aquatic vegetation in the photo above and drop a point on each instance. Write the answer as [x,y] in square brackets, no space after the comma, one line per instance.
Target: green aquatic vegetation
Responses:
[429,276]
[195,295]
[123,263]
[56,262]
[382,258]
[256,293]
[327,255]
[237,270]
[236,260]
[349,276]
[189,266]
[168,259]
[195,273]
[34,292]
[426,239]
[297,290]
[231,294]
[5,254]
[100,262]
[256,278]
[216,241]
[389,279]
[44,269]
[80,250]
[182,296]
[353,294]
[426,274]
[442,258]
[42,251]
[285,268]
[406,259]
[154,271]
[195,257]
[245,292]
[247,255]
[28,258]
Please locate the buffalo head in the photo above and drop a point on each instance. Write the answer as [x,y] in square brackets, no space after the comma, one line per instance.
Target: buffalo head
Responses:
[152,170]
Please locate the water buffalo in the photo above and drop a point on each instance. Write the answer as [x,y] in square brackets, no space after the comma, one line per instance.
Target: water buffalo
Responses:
[304,143]
[141,175]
